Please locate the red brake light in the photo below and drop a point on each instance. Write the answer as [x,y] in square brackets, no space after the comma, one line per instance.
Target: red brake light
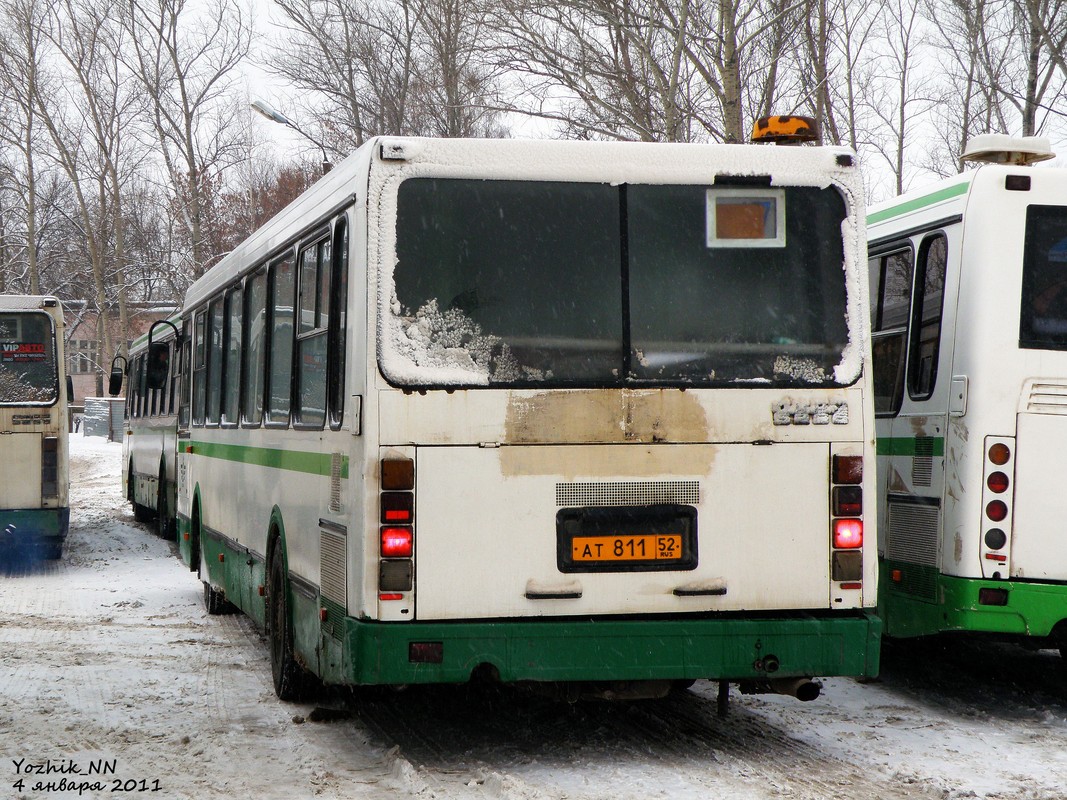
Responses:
[997,482]
[996,510]
[396,542]
[848,533]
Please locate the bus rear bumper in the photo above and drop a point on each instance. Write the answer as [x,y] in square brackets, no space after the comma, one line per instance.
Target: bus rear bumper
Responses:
[919,601]
[720,648]
[34,531]
[21,525]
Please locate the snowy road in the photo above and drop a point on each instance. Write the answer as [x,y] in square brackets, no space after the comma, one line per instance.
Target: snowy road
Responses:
[108,661]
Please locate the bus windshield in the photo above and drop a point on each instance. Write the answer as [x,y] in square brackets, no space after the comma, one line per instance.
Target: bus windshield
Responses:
[522,283]
[28,369]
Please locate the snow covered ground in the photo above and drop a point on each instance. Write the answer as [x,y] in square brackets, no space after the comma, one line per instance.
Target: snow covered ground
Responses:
[108,661]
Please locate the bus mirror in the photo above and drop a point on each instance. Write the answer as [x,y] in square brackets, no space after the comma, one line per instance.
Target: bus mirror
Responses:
[70,389]
[114,381]
[158,365]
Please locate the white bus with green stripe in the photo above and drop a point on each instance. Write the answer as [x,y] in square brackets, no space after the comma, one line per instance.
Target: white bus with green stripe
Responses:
[150,425]
[969,309]
[592,415]
[34,395]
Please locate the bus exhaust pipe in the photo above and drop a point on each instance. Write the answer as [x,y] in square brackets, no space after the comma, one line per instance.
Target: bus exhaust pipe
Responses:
[803,689]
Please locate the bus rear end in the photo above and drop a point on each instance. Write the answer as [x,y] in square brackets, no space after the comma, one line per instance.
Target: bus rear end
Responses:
[623,425]
[34,511]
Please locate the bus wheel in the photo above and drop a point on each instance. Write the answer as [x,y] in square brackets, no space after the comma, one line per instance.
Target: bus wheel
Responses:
[215,601]
[290,679]
[140,513]
[164,517]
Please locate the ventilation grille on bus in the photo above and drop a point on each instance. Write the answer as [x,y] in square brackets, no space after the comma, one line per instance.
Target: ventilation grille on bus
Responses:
[914,533]
[922,466]
[333,579]
[628,493]
[1047,398]
[335,483]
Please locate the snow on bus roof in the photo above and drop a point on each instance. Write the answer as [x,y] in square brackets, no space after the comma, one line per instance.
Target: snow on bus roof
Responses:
[23,302]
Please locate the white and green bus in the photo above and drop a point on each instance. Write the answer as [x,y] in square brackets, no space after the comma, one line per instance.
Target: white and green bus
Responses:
[592,415]
[149,454]
[969,305]
[34,392]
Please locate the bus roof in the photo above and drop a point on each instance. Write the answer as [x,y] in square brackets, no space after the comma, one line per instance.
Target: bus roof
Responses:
[25,302]
[516,159]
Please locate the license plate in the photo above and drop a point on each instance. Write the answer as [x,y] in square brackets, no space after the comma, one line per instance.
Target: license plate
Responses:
[626,538]
[648,547]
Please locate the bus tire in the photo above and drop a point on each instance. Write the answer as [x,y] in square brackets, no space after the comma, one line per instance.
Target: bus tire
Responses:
[164,517]
[140,513]
[215,601]
[291,682]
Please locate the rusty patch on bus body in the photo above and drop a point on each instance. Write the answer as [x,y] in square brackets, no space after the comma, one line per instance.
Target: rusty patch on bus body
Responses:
[605,417]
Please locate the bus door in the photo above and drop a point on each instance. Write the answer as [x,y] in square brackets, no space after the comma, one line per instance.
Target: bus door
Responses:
[913,371]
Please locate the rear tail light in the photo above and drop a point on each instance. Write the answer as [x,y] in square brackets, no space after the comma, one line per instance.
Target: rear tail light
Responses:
[999,454]
[846,526]
[50,466]
[999,472]
[997,510]
[847,501]
[848,533]
[848,469]
[997,482]
[398,508]
[396,505]
[398,473]
[396,543]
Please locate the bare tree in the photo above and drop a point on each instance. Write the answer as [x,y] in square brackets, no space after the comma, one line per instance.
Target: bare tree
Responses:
[374,67]
[90,125]
[21,75]
[186,58]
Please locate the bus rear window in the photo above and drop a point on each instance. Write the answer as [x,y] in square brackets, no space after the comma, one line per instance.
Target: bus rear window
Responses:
[1043,317]
[28,373]
[518,283]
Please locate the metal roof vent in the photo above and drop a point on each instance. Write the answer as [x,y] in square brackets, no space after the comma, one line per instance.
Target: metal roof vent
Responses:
[996,148]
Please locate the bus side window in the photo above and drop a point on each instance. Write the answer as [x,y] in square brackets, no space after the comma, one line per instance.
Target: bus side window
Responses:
[185,369]
[280,346]
[142,388]
[199,367]
[214,362]
[231,370]
[311,343]
[175,375]
[338,324]
[926,326]
[891,287]
[255,337]
[131,390]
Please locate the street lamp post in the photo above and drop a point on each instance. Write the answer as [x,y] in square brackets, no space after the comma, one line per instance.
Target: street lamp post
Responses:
[274,115]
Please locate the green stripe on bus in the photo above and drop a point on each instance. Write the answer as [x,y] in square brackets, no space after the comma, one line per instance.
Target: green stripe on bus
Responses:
[291,460]
[919,202]
[909,446]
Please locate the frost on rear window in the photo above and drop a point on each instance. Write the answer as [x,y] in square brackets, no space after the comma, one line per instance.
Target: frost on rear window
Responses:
[801,369]
[452,342]
[16,387]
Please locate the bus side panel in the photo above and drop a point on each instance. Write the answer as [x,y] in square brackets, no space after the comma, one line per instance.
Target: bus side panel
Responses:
[1037,536]
[22,460]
